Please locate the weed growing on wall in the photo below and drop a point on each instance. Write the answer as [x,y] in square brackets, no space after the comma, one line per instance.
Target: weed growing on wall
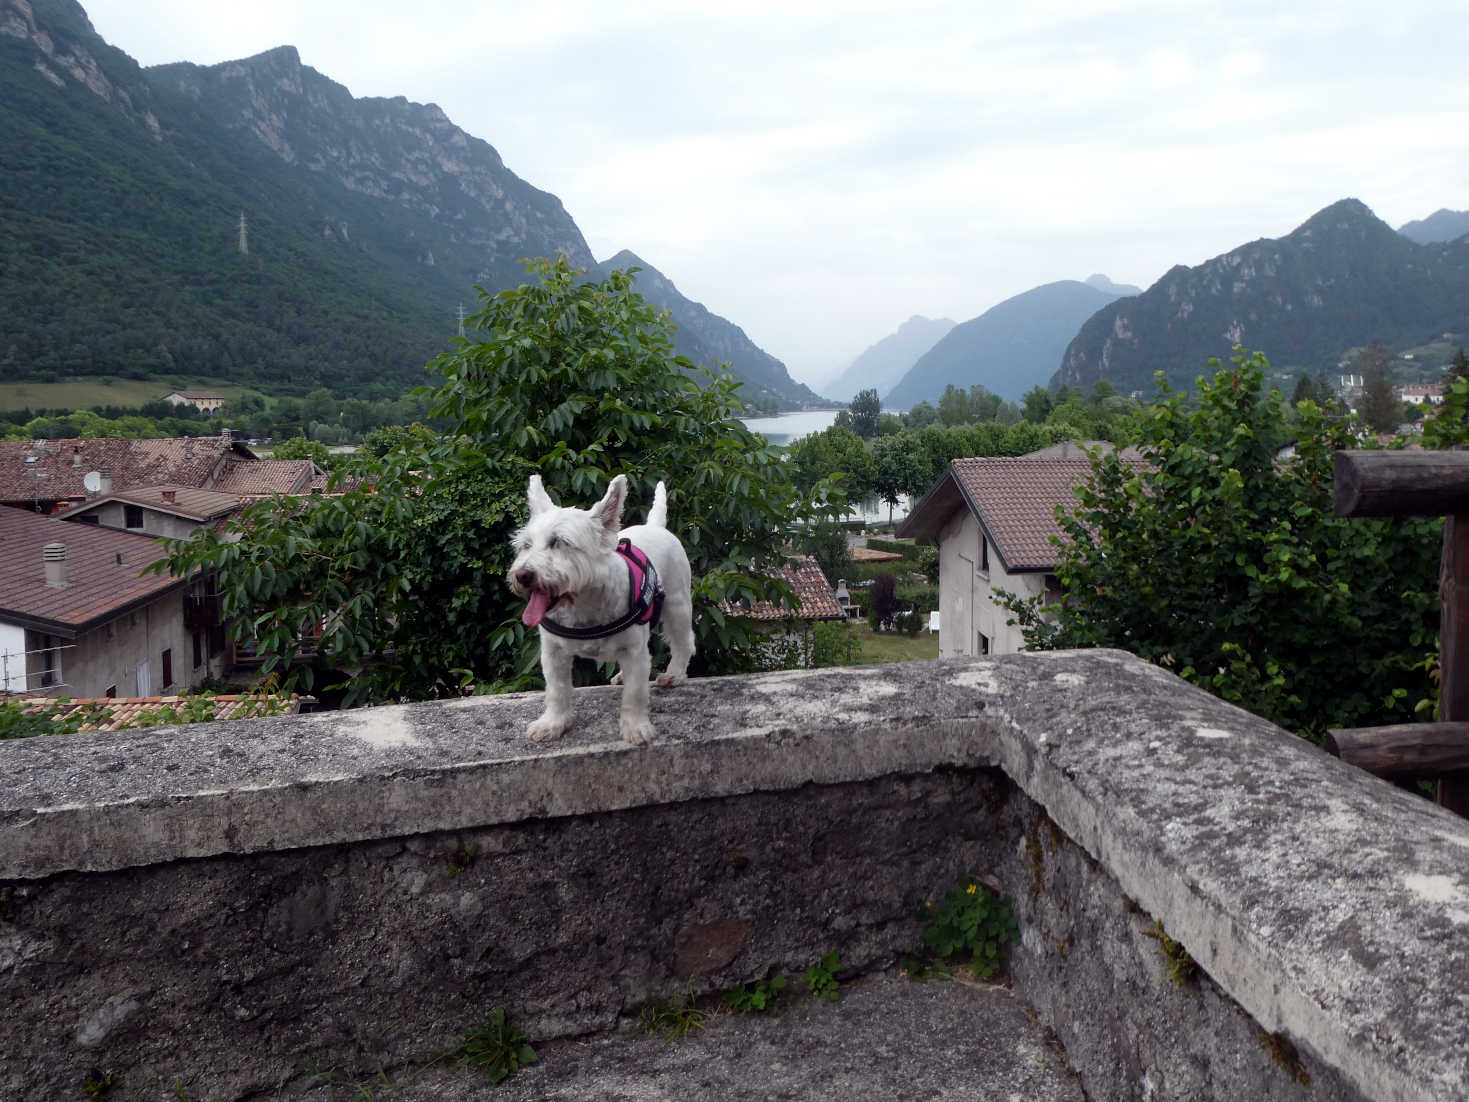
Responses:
[970,921]
[821,977]
[496,1047]
[1180,966]
[758,997]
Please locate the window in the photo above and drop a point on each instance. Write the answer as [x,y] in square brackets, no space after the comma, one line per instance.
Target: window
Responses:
[111,692]
[132,516]
[984,643]
[167,668]
[984,555]
[198,652]
[50,661]
[93,519]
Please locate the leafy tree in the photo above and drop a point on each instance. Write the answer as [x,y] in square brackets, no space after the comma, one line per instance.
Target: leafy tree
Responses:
[1306,391]
[1381,407]
[299,447]
[954,407]
[1458,366]
[896,470]
[835,451]
[403,576]
[865,409]
[1036,405]
[1230,568]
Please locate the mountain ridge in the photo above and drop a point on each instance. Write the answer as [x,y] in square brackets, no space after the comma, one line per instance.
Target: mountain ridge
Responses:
[1011,347]
[883,364]
[367,221]
[1341,279]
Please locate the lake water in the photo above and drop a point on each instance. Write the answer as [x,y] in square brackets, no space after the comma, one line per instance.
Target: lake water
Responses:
[792,426]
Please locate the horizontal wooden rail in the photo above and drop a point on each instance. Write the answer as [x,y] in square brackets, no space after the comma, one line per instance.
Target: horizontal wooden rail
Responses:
[1404,750]
[1401,483]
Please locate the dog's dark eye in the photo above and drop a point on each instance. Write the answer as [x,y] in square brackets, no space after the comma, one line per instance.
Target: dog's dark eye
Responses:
[554,542]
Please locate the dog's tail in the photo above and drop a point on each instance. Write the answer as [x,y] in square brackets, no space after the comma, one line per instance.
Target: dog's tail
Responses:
[658,514]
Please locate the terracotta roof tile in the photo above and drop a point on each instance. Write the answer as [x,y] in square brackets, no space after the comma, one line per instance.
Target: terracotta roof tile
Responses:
[116,713]
[104,571]
[187,502]
[812,590]
[52,470]
[263,477]
[1015,499]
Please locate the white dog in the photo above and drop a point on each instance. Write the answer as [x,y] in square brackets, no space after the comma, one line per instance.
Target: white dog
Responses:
[606,589]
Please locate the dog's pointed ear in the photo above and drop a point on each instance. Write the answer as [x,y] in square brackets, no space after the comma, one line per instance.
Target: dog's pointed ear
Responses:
[535,494]
[609,509]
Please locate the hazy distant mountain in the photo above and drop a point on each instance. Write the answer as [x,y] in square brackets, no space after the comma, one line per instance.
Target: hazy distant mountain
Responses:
[881,366]
[1102,283]
[368,221]
[709,340]
[1341,280]
[1441,225]
[1008,349]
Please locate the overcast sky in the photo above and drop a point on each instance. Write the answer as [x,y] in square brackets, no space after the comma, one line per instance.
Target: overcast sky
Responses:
[819,172]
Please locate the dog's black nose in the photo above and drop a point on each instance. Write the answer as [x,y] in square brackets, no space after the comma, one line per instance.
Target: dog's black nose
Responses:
[526,578]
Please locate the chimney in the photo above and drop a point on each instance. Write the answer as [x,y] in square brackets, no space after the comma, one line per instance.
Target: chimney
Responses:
[106,486]
[76,456]
[169,495]
[54,556]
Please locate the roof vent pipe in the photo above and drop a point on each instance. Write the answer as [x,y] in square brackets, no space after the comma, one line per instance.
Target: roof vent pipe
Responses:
[106,486]
[54,556]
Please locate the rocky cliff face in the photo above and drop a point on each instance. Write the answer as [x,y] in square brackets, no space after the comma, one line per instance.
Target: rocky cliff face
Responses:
[67,48]
[458,207]
[1341,280]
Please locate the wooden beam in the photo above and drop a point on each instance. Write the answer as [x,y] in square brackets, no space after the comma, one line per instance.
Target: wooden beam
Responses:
[1453,647]
[1404,750]
[1401,483]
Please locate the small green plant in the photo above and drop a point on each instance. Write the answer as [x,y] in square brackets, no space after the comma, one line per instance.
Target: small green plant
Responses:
[672,1020]
[1181,966]
[821,977]
[100,1084]
[496,1047]
[758,998]
[970,920]
[462,858]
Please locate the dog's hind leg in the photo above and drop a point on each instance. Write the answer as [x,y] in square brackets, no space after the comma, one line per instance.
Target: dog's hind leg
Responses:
[678,629]
[634,725]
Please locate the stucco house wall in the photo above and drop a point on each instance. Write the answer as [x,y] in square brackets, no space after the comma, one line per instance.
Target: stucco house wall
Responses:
[112,514]
[113,655]
[967,609]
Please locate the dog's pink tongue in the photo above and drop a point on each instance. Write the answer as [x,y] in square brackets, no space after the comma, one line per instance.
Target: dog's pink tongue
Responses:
[535,609]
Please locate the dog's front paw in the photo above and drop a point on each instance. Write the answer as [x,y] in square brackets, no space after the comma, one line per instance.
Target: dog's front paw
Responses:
[617,678]
[546,728]
[638,732]
[668,680]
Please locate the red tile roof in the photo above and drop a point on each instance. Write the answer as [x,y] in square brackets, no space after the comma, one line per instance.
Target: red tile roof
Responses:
[103,568]
[871,554]
[1015,500]
[52,470]
[263,477]
[191,504]
[813,592]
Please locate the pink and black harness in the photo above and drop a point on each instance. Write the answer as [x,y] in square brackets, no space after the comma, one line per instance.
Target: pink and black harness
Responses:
[645,599]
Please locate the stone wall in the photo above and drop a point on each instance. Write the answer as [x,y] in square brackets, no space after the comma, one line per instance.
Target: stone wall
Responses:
[230,906]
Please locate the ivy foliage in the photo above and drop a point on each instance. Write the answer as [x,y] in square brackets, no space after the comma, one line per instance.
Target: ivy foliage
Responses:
[402,577]
[1224,563]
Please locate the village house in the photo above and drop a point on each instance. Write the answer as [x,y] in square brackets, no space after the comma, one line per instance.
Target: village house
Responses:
[994,520]
[1420,394]
[79,618]
[168,511]
[205,400]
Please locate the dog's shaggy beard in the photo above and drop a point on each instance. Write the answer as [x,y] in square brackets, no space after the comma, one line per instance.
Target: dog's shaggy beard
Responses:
[556,558]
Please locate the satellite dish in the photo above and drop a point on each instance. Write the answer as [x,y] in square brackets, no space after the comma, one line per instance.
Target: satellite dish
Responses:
[92,481]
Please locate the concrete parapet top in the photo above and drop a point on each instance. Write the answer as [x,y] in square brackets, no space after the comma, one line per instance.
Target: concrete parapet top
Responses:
[1331,906]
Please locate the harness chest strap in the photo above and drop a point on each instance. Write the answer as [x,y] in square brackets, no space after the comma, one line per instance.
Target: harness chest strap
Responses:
[645,599]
